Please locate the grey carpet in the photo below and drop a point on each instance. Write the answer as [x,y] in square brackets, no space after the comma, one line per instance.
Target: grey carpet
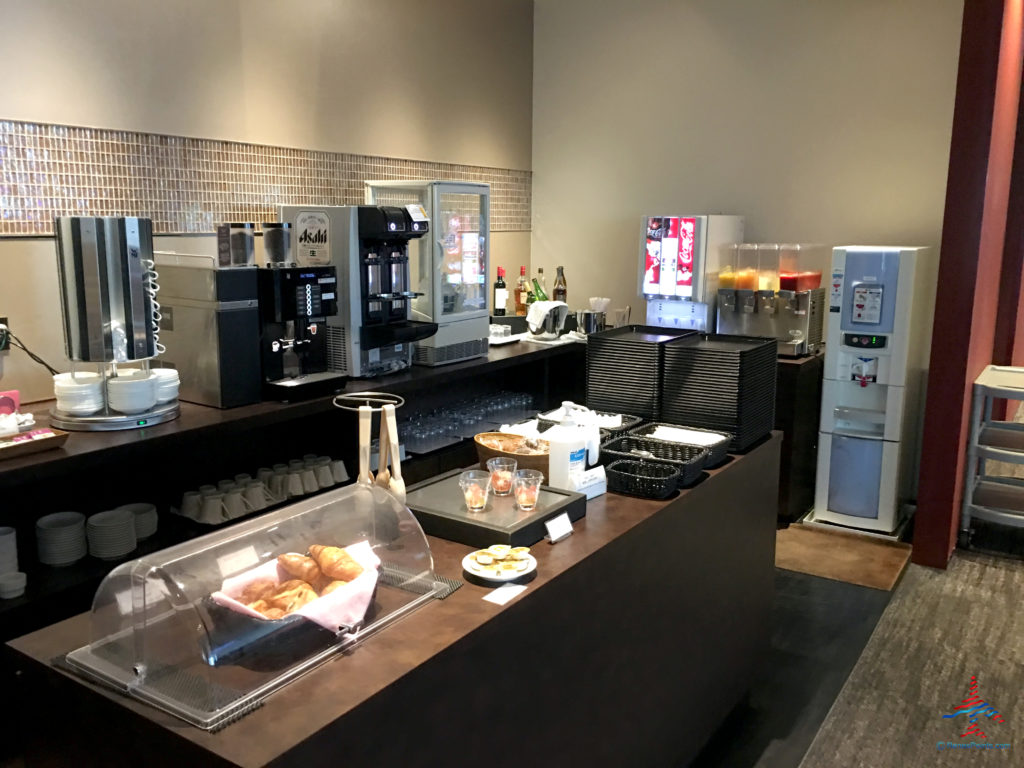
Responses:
[939,629]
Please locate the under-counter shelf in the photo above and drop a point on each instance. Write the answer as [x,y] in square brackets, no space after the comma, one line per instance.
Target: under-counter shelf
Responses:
[1002,441]
[998,500]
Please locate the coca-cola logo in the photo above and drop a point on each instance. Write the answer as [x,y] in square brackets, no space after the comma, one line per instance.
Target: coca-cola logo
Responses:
[319,237]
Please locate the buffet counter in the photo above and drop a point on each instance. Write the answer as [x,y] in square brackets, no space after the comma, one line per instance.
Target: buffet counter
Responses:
[640,632]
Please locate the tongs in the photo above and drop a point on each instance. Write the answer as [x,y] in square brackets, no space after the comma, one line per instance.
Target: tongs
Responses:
[389,451]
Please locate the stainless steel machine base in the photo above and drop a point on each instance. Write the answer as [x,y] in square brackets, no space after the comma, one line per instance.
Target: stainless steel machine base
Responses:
[110,422]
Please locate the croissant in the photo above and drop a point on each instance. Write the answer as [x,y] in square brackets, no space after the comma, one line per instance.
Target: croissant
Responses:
[256,589]
[335,562]
[269,611]
[300,567]
[332,586]
[291,595]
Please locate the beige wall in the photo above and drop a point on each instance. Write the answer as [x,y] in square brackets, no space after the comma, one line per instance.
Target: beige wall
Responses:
[448,80]
[445,80]
[826,121]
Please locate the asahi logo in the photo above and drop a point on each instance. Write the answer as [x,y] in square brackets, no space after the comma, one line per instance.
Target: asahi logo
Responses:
[313,228]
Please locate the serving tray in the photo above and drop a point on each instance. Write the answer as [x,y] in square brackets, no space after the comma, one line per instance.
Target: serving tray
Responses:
[439,506]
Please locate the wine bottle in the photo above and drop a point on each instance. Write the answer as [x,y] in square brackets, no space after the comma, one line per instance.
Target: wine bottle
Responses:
[500,294]
[538,291]
[522,291]
[560,291]
[543,284]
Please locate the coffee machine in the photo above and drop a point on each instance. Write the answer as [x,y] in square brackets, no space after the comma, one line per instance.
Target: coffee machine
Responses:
[295,303]
[368,246]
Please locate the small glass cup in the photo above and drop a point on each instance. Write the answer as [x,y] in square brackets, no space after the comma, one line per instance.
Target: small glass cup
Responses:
[475,484]
[502,469]
[526,484]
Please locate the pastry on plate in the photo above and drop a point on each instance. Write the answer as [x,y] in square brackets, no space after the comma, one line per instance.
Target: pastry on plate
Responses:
[331,586]
[335,562]
[300,567]
[291,595]
[254,590]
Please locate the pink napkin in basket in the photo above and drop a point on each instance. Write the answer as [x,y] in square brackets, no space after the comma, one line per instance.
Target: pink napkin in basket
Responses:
[344,606]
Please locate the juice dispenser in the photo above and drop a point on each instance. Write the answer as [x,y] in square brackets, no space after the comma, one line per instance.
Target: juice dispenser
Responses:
[679,267]
[775,293]
[881,300]
[449,269]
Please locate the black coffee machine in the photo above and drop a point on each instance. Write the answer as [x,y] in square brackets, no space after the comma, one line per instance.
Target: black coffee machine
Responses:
[295,303]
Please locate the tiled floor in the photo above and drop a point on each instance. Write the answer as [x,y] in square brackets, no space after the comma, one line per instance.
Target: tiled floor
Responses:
[820,629]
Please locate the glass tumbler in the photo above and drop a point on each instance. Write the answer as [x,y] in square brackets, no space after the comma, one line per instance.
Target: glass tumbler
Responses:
[502,469]
[475,484]
[526,485]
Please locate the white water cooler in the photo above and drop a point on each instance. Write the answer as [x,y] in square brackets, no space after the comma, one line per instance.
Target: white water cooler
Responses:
[881,301]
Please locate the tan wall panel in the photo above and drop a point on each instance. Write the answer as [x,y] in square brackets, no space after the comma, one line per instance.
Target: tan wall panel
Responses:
[825,122]
[448,80]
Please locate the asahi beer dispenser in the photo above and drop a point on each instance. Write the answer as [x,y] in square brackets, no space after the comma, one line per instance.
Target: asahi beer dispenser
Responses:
[368,245]
[679,260]
[880,304]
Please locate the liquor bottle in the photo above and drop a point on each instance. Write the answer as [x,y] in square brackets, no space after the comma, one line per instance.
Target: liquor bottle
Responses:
[543,284]
[538,291]
[522,291]
[500,294]
[560,292]
[530,298]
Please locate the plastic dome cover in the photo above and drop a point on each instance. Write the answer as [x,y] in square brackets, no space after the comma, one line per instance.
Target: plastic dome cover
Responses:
[159,633]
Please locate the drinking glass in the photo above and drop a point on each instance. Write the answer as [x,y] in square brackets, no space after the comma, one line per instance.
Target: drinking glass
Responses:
[526,485]
[502,469]
[475,484]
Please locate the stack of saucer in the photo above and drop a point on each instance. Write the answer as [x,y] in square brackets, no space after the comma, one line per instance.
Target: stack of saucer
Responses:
[132,392]
[78,394]
[111,534]
[167,383]
[60,538]
[145,519]
[8,550]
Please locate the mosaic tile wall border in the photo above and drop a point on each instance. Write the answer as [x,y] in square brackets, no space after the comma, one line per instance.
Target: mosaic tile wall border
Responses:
[188,185]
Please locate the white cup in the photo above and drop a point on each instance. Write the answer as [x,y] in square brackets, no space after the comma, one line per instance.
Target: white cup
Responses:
[242,479]
[191,504]
[338,471]
[213,509]
[278,487]
[256,495]
[295,483]
[309,481]
[324,476]
[207,490]
[263,474]
[226,486]
[235,505]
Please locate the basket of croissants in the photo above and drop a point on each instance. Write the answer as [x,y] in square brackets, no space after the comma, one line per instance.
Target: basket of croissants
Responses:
[332,586]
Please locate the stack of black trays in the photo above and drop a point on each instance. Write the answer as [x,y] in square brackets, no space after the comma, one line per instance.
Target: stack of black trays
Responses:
[624,368]
[719,382]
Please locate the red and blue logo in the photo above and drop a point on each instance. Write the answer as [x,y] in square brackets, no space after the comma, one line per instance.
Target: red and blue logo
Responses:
[973,708]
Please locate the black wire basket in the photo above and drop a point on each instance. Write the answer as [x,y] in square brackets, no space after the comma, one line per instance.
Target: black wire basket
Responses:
[649,479]
[688,460]
[628,422]
[717,451]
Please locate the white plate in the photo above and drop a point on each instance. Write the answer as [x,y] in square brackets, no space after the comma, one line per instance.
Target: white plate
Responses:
[496,341]
[472,566]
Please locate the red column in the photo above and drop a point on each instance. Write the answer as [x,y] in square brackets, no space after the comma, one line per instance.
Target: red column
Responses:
[971,257]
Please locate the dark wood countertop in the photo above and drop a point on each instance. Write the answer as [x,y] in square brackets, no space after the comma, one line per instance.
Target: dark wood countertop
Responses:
[315,701]
[92,449]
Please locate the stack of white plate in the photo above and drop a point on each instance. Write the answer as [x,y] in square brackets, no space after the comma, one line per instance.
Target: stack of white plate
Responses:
[167,383]
[60,538]
[80,394]
[8,550]
[111,534]
[132,392]
[145,519]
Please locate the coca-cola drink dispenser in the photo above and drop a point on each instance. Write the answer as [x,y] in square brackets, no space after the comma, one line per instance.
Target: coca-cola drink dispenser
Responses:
[679,262]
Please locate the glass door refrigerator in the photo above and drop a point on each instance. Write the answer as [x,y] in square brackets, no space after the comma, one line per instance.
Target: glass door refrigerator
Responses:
[450,268]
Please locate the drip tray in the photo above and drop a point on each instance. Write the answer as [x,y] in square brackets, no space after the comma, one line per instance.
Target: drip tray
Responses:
[439,506]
